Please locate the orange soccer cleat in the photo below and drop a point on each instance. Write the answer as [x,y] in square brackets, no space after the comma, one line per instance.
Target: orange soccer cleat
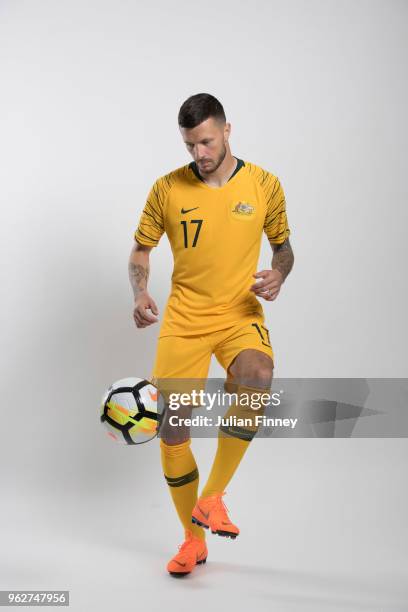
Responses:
[212,512]
[193,551]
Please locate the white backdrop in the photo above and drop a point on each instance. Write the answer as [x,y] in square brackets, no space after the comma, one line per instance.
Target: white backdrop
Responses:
[316,93]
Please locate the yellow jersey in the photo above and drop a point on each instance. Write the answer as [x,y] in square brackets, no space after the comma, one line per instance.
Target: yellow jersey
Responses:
[215,237]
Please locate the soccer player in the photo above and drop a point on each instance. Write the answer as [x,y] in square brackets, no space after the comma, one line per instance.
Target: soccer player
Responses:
[214,211]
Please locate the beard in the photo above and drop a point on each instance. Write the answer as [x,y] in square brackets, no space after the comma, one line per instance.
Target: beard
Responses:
[217,163]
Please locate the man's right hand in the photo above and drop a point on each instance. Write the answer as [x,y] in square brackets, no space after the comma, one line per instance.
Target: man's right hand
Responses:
[141,316]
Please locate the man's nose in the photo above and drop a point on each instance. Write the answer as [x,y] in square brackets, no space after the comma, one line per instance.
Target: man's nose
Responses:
[198,151]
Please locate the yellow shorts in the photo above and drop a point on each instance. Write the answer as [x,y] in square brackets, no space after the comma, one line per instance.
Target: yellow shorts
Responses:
[188,358]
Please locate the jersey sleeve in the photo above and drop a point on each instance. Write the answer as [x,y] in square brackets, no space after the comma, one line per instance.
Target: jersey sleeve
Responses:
[151,222]
[276,225]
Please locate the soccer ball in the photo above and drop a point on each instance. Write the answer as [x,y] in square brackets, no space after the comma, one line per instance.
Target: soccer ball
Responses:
[130,412]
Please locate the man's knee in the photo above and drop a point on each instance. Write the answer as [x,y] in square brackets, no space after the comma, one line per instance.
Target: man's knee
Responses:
[252,364]
[171,431]
[255,374]
[262,375]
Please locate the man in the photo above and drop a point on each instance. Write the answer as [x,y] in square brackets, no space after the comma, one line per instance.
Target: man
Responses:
[213,211]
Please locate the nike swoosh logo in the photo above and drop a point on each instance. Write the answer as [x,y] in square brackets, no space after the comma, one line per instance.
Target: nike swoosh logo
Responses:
[179,562]
[224,523]
[206,514]
[184,211]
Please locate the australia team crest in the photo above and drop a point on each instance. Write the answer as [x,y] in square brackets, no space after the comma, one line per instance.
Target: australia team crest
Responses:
[243,210]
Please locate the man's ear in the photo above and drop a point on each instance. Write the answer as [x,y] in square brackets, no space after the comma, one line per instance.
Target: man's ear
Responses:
[227,131]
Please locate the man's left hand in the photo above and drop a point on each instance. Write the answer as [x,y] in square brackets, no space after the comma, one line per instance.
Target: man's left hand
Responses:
[269,286]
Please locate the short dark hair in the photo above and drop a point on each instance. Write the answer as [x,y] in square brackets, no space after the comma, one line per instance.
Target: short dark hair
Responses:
[198,108]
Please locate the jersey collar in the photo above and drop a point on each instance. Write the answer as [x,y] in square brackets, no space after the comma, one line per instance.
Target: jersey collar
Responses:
[194,168]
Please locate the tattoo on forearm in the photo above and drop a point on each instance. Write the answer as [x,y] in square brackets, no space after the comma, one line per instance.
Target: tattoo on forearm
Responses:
[138,276]
[283,258]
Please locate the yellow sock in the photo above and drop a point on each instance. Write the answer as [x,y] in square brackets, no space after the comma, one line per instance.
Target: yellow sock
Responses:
[233,442]
[181,474]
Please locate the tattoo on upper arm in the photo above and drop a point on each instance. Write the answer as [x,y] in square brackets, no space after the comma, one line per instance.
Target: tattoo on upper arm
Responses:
[283,257]
[138,275]
[282,247]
